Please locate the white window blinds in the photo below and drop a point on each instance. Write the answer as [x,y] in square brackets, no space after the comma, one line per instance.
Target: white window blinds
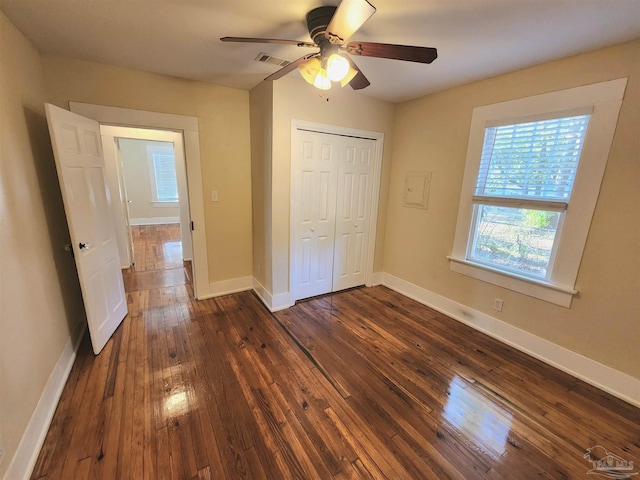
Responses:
[533,160]
[165,176]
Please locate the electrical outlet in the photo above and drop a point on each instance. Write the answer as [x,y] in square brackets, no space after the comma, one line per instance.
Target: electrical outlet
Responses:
[497,304]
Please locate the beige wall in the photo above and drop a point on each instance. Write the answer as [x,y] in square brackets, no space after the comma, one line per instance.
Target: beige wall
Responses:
[261,98]
[223,119]
[295,99]
[137,179]
[432,133]
[40,301]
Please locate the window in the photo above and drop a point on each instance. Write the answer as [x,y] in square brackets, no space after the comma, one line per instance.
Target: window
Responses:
[162,169]
[524,184]
[532,177]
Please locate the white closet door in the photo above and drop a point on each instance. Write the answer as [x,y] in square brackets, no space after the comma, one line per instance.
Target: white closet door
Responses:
[313,196]
[353,211]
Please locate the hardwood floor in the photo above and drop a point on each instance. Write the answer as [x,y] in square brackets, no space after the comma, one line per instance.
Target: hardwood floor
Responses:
[361,384]
[156,247]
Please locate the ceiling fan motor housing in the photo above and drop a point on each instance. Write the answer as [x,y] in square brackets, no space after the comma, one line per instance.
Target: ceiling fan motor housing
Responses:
[317,21]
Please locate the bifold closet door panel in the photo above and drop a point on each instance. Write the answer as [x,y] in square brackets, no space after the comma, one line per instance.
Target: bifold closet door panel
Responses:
[353,211]
[313,202]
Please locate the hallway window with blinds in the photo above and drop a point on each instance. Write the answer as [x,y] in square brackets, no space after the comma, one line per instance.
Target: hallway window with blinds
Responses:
[531,182]
[162,170]
[527,171]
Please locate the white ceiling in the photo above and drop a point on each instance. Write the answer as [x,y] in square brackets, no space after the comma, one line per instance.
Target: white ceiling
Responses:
[475,38]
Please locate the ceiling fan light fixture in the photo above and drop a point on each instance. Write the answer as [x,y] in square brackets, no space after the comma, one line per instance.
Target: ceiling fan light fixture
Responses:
[314,74]
[330,27]
[349,76]
[337,67]
[310,69]
[322,80]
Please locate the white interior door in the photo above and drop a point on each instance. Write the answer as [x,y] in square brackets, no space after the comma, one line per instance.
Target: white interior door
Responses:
[353,211]
[119,207]
[126,203]
[331,193]
[77,149]
[313,186]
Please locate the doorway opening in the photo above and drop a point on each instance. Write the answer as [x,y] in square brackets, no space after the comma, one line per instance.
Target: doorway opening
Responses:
[152,203]
[149,194]
[186,128]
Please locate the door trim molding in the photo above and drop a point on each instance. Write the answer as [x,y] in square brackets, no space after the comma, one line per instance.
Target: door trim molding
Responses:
[126,117]
[297,125]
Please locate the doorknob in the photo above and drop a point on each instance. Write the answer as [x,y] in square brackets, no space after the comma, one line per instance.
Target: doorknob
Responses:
[313,229]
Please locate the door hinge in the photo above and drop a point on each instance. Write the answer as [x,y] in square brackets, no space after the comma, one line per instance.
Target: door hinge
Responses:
[192,227]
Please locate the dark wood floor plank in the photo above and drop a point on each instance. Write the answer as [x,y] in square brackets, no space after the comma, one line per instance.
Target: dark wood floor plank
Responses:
[318,315]
[230,410]
[365,384]
[60,430]
[126,445]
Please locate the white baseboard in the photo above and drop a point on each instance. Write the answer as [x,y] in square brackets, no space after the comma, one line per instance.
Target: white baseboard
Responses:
[605,378]
[375,280]
[225,287]
[26,455]
[153,220]
[273,302]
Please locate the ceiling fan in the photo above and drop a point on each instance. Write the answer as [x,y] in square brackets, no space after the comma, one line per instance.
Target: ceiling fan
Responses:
[330,28]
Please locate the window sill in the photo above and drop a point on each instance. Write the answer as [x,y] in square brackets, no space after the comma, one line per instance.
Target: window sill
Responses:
[165,204]
[546,291]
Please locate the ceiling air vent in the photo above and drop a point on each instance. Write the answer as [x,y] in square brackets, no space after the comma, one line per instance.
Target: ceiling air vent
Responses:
[266,58]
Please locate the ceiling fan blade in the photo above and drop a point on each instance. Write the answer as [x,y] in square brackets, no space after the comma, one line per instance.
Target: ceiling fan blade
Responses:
[359,81]
[349,17]
[291,67]
[395,52]
[297,43]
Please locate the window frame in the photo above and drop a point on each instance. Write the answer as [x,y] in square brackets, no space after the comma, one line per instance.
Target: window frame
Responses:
[541,203]
[603,100]
[152,151]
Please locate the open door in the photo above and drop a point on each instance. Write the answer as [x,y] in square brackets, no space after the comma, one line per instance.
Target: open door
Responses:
[77,149]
